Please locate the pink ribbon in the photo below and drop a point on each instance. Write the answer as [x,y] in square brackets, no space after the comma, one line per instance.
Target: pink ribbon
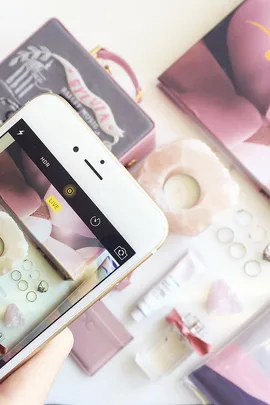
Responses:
[197,344]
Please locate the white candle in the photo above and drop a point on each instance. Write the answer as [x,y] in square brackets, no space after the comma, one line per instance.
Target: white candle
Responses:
[182,192]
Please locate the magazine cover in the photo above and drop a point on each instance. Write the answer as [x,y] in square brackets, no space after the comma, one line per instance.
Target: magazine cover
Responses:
[224,82]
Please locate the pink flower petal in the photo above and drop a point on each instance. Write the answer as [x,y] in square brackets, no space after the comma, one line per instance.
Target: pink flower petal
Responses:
[72,239]
[231,119]
[69,259]
[34,176]
[199,71]
[21,198]
[66,218]
[255,158]
[90,253]
[247,45]
[39,227]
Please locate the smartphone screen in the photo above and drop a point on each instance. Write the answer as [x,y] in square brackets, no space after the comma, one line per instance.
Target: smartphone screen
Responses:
[55,243]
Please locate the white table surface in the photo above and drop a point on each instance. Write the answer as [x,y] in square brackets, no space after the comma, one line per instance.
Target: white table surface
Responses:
[150,34]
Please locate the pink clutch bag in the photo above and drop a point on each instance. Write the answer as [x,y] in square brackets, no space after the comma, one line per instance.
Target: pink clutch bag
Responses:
[64,67]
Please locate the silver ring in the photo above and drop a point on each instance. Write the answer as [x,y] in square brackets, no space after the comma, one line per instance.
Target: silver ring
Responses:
[237,251]
[244,218]
[253,268]
[31,296]
[16,275]
[225,235]
[23,285]
[35,274]
[43,286]
[27,264]
[257,234]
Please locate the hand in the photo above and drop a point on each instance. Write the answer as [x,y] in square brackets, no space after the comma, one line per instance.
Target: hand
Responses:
[31,383]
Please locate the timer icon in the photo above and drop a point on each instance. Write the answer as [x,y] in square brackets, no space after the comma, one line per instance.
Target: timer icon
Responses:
[95,221]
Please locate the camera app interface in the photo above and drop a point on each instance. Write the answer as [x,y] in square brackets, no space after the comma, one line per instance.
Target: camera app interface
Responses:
[55,244]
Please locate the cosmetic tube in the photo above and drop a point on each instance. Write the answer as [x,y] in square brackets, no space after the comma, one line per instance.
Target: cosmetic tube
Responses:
[166,289]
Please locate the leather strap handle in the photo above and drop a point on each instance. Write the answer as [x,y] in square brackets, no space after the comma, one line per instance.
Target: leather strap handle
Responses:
[102,53]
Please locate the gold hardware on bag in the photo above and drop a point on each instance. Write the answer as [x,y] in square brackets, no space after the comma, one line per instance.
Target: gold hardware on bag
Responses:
[131,163]
[108,69]
[139,95]
[95,51]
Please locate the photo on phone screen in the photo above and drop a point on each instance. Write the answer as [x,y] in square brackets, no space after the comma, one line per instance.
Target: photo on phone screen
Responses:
[55,244]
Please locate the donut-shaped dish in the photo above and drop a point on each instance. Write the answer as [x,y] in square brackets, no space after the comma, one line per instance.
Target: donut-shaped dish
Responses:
[192,157]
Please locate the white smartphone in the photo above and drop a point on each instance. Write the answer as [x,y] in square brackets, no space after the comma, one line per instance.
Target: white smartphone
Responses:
[73,223]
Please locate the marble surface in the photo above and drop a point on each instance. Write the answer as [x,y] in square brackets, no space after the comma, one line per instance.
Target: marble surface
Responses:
[150,35]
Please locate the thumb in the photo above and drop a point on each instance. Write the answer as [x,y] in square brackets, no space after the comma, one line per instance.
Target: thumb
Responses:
[32,382]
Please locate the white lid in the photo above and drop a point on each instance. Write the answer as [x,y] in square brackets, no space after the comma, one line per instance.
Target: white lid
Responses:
[137,315]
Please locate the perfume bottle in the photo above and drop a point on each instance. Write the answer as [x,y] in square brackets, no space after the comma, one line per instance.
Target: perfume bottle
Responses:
[169,350]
